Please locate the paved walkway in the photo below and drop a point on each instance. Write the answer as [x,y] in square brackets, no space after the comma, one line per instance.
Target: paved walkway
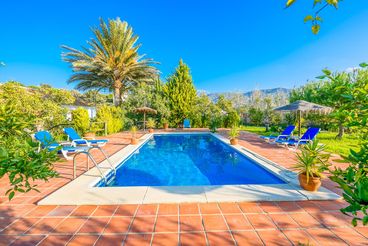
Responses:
[263,223]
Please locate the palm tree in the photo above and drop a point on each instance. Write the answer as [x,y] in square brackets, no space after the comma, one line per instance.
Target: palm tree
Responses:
[111,61]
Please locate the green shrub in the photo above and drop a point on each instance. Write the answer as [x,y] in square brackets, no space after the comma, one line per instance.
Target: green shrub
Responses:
[81,120]
[232,119]
[19,159]
[113,116]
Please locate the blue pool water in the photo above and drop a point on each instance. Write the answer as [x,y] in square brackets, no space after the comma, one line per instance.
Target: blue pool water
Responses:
[189,159]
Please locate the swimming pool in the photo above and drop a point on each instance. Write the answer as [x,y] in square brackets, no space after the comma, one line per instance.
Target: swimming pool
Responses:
[188,160]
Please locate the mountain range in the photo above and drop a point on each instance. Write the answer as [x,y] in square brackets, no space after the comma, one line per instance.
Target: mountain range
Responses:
[264,92]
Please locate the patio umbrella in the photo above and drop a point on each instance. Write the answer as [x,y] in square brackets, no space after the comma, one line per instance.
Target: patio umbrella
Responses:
[303,106]
[145,110]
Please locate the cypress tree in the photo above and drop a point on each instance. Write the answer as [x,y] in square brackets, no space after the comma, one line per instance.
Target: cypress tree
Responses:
[181,93]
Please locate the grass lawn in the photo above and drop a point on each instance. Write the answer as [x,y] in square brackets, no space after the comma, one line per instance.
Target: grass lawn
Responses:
[341,147]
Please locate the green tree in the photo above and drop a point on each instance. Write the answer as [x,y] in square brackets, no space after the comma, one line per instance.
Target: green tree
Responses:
[181,93]
[43,104]
[204,112]
[20,161]
[256,116]
[112,116]
[329,91]
[354,179]
[320,5]
[149,95]
[81,120]
[110,61]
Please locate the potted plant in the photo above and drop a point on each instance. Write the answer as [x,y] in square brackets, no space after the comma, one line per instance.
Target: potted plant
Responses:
[233,134]
[133,131]
[151,124]
[312,162]
[165,124]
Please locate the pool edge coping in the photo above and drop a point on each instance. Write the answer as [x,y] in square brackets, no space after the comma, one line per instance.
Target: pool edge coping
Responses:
[81,191]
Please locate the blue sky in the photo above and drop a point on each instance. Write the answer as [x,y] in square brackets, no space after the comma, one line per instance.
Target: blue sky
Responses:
[229,45]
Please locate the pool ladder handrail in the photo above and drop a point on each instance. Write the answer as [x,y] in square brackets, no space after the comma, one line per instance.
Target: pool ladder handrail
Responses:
[90,157]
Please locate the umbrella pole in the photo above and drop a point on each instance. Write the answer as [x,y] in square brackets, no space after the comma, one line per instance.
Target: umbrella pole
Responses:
[144,121]
[299,113]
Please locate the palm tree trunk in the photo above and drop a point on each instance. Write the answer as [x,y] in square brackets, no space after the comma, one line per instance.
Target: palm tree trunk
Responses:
[117,93]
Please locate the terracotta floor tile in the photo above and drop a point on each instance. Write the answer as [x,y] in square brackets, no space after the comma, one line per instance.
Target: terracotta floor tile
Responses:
[273,237]
[118,225]
[15,210]
[78,240]
[126,210]
[299,237]
[105,210]
[187,239]
[362,230]
[109,240]
[261,221]
[290,206]
[94,225]
[325,237]
[138,239]
[189,208]
[70,225]
[220,238]
[82,211]
[28,240]
[45,225]
[305,220]
[229,208]
[332,219]
[165,239]
[270,207]
[190,223]
[61,211]
[167,224]
[214,222]
[6,240]
[328,205]
[209,208]
[309,206]
[237,222]
[55,240]
[5,221]
[168,209]
[143,224]
[147,209]
[20,226]
[40,211]
[245,238]
[250,207]
[350,236]
[284,221]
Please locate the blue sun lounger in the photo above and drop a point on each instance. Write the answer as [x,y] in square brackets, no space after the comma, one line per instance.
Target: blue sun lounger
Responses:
[48,142]
[78,140]
[285,135]
[308,136]
[186,123]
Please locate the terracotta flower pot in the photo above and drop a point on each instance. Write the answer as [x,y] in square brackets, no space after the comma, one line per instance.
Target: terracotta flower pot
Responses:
[150,130]
[234,141]
[166,126]
[313,184]
[90,135]
[134,141]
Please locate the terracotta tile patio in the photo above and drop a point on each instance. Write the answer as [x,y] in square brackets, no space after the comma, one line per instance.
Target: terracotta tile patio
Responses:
[262,223]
